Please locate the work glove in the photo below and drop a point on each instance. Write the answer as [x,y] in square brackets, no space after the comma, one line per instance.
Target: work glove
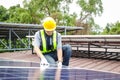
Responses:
[59,64]
[44,63]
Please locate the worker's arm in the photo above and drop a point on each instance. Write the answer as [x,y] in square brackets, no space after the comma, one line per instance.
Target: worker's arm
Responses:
[39,53]
[37,44]
[59,55]
[59,51]
[43,61]
[37,49]
[60,59]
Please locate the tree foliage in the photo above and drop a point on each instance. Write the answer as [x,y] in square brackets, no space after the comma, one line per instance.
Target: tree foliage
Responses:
[112,28]
[3,14]
[42,8]
[35,10]
[89,9]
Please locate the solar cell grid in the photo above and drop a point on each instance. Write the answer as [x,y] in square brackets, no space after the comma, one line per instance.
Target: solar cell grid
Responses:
[30,72]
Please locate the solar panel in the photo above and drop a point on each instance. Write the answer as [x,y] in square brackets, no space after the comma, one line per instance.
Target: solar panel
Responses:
[20,70]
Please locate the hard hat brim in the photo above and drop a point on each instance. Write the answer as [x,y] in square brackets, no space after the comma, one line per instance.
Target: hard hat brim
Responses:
[49,29]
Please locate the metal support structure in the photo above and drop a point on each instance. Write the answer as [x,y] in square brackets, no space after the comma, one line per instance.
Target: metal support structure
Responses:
[19,38]
[89,50]
[10,36]
[65,31]
[4,44]
[29,40]
[13,31]
[10,31]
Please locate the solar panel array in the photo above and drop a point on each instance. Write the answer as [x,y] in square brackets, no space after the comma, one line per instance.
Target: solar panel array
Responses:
[16,70]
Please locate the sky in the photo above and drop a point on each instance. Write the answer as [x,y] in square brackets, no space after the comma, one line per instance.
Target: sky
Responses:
[111,13]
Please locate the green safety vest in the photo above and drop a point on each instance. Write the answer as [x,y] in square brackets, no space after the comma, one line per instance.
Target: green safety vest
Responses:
[44,44]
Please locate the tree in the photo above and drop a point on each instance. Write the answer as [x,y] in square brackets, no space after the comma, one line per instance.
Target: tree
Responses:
[69,20]
[35,10]
[18,15]
[113,28]
[89,9]
[39,9]
[106,30]
[3,14]
[25,17]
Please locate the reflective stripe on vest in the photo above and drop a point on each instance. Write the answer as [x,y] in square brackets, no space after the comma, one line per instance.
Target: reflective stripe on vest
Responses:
[44,41]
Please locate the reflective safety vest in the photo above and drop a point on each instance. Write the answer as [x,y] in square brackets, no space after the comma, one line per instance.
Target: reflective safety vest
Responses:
[44,43]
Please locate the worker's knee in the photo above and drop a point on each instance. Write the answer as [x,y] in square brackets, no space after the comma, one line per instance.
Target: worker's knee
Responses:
[67,49]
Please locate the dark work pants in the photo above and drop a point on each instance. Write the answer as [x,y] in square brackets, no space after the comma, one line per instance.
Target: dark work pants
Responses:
[52,56]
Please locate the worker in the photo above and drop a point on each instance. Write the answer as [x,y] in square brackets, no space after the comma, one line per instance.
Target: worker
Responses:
[48,45]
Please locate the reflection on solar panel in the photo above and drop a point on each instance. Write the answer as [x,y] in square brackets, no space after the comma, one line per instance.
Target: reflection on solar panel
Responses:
[18,70]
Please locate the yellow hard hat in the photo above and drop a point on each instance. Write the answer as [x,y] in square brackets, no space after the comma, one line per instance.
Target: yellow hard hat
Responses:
[49,24]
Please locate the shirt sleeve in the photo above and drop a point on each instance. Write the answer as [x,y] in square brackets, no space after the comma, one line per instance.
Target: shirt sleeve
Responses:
[37,40]
[59,45]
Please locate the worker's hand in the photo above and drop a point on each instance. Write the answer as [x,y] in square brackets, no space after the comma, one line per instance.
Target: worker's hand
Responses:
[59,64]
[44,63]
